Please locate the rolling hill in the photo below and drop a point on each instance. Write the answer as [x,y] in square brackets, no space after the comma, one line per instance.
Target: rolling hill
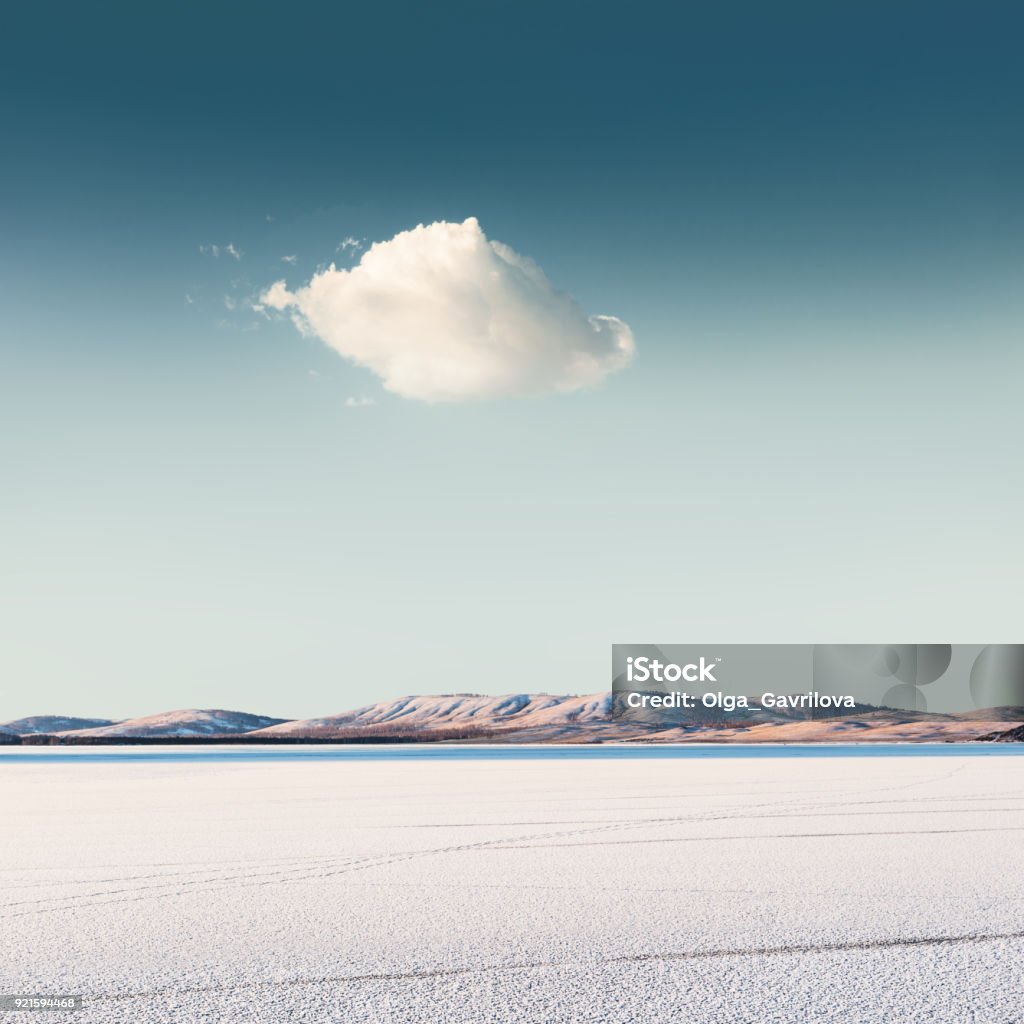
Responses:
[39,724]
[188,722]
[545,716]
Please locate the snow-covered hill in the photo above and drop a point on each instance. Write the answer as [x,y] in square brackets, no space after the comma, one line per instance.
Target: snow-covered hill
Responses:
[39,724]
[547,715]
[189,722]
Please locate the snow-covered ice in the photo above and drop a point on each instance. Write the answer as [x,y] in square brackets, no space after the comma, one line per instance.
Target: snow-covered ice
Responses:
[847,890]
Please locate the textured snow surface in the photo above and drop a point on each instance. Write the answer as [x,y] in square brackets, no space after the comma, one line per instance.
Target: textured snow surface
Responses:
[846,890]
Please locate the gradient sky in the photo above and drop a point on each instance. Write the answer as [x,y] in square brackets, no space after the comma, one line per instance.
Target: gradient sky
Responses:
[809,214]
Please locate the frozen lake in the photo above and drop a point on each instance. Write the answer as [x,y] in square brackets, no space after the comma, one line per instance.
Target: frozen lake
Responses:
[786,887]
[496,752]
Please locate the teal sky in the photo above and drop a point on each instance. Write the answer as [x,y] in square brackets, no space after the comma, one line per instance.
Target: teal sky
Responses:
[810,217]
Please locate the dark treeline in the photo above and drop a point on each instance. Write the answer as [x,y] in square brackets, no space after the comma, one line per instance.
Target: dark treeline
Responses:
[365,735]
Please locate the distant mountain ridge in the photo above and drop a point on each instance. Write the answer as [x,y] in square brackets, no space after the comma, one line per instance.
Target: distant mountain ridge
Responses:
[37,724]
[546,715]
[188,722]
[516,718]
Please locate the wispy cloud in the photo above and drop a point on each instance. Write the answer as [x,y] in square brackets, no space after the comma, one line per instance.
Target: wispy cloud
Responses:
[358,403]
[350,245]
[293,259]
[216,250]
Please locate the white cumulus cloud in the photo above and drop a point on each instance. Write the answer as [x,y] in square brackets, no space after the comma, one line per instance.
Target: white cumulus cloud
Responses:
[442,314]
